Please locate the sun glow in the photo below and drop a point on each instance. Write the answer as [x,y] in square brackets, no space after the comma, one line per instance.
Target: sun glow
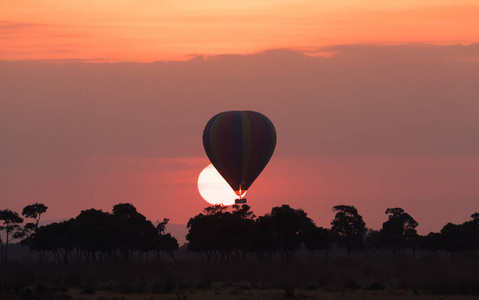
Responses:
[213,188]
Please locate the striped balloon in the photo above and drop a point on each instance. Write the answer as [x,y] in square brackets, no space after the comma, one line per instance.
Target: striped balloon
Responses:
[239,144]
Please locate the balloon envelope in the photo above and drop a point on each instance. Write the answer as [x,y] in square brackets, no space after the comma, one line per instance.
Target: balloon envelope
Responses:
[239,144]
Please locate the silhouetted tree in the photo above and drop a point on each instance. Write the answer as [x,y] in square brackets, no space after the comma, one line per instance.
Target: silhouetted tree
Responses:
[133,232]
[58,238]
[243,212]
[165,242]
[456,238]
[162,225]
[244,220]
[289,224]
[34,211]
[10,221]
[453,239]
[95,235]
[215,209]
[432,242]
[38,241]
[316,238]
[217,233]
[264,238]
[203,233]
[473,227]
[369,239]
[398,232]
[349,227]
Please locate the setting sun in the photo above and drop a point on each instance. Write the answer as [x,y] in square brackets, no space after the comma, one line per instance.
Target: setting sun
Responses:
[213,188]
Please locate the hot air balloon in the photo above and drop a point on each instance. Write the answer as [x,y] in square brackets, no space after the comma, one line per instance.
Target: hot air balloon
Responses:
[239,144]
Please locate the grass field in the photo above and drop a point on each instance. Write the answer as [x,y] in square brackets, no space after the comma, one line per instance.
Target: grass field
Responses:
[377,276]
[235,294]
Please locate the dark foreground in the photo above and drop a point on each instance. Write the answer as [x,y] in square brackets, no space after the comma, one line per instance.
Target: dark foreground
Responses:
[373,277]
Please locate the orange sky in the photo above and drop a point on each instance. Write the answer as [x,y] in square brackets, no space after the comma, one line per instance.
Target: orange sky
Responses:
[150,30]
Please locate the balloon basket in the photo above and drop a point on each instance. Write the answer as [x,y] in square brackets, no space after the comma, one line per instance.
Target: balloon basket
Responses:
[240,200]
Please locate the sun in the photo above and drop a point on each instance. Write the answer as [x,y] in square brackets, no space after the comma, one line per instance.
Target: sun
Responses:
[213,188]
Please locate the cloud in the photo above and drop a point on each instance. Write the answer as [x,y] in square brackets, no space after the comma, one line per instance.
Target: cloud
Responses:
[4,25]
[363,100]
[405,51]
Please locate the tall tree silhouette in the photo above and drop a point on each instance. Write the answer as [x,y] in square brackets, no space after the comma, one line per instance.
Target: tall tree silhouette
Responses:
[165,242]
[399,231]
[289,224]
[10,221]
[204,232]
[94,234]
[349,227]
[133,232]
[34,211]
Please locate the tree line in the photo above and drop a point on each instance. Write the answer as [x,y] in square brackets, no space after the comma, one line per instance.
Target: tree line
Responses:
[93,236]
[220,234]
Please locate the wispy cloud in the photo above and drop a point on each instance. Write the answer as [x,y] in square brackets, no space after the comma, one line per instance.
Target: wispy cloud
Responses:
[6,25]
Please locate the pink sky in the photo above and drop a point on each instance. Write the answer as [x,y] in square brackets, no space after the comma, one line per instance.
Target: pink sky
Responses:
[375,104]
[371,126]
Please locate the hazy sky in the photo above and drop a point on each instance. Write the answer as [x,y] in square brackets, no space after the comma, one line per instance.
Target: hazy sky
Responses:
[375,104]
